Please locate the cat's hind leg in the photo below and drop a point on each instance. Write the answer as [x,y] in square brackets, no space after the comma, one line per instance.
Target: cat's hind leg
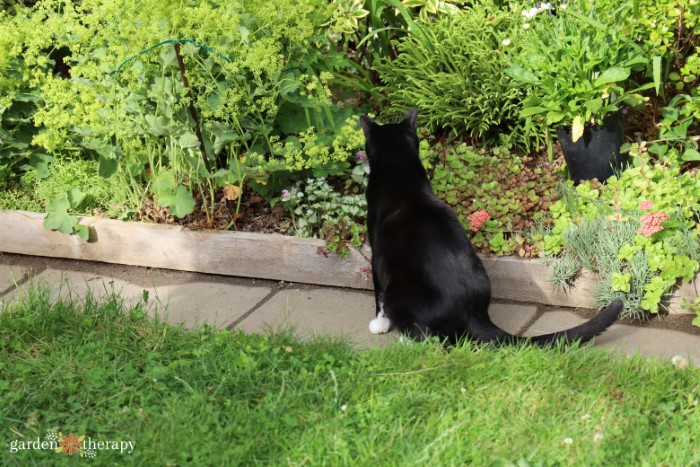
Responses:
[381,324]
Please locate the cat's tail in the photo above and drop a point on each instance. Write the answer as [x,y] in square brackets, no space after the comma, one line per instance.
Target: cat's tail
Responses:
[582,333]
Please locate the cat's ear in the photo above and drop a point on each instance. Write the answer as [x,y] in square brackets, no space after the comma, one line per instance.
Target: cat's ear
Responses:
[411,119]
[367,124]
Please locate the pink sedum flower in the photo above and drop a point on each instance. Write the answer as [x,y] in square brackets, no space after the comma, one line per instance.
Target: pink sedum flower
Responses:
[477,219]
[651,223]
[646,205]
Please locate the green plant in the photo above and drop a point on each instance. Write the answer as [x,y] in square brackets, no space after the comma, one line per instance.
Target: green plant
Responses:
[102,196]
[20,194]
[576,66]
[323,153]
[451,70]
[58,218]
[695,307]
[368,29]
[667,29]
[318,210]
[639,232]
[680,117]
[516,193]
[322,212]
[212,111]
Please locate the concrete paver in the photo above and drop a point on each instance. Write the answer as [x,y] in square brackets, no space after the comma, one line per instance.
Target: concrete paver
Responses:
[190,303]
[652,342]
[321,311]
[76,285]
[260,306]
[511,317]
[553,321]
[205,302]
[662,343]
[9,275]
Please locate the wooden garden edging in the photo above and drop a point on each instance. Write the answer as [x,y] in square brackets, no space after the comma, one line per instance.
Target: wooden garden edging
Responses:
[264,256]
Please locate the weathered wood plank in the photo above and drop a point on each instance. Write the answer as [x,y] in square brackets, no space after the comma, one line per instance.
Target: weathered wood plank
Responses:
[684,291]
[266,256]
[529,281]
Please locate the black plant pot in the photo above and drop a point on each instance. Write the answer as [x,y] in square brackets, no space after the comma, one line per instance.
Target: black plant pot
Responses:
[597,153]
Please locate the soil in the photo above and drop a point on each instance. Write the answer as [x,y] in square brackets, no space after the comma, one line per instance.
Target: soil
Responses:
[254,215]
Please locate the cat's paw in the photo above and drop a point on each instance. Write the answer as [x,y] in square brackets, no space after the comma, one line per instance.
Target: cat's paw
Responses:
[380,325]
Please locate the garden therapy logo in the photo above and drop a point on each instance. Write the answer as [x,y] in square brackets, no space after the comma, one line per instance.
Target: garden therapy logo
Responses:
[71,444]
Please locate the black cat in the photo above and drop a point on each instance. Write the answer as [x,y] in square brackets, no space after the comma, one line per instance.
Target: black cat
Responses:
[428,280]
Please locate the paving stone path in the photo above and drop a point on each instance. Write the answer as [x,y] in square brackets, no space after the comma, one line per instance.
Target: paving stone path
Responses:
[261,306]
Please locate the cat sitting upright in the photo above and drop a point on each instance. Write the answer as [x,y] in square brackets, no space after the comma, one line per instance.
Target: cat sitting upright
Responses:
[428,280]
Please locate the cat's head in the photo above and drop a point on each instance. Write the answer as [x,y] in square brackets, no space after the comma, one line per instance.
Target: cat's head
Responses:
[393,143]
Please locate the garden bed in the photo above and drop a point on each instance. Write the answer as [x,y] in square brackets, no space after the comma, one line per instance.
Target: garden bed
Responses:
[248,120]
[268,256]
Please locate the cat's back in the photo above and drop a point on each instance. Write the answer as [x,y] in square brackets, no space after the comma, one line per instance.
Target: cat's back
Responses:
[424,227]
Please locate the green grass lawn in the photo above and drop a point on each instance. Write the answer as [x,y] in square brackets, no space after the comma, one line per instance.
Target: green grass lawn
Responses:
[212,397]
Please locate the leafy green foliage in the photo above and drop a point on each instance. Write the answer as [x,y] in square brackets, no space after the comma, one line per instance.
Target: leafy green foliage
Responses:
[106,196]
[17,152]
[57,217]
[575,65]
[322,152]
[668,29]
[249,92]
[451,70]
[601,228]
[516,192]
[322,212]
[680,117]
[368,31]
[172,195]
